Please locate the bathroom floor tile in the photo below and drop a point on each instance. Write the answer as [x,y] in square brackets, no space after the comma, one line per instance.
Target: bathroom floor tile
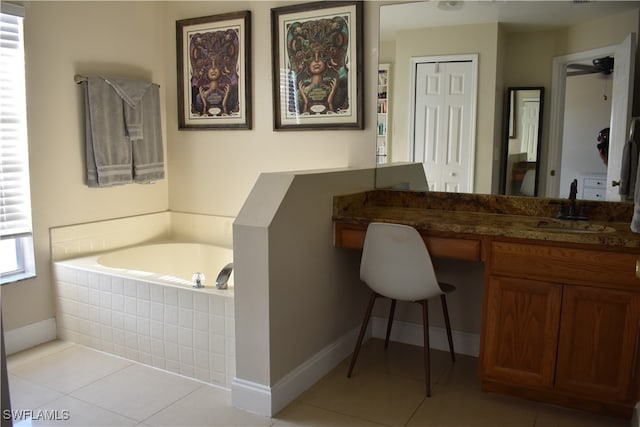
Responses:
[208,405]
[462,408]
[402,360]
[82,414]
[137,391]
[551,416]
[69,369]
[370,396]
[27,395]
[301,414]
[387,388]
[31,354]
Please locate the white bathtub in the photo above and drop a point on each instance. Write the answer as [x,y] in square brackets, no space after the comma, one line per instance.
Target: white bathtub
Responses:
[170,263]
[139,303]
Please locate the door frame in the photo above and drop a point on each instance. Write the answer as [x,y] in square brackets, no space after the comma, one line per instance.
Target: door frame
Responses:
[620,111]
[413,64]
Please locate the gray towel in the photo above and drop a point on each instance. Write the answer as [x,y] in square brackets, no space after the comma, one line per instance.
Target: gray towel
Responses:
[132,92]
[108,149]
[148,154]
[629,168]
[635,221]
[123,132]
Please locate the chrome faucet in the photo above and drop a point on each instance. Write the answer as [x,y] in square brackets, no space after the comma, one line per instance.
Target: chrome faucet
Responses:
[198,280]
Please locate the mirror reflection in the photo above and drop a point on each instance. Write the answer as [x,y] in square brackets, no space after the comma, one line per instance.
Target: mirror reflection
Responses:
[523,125]
[516,45]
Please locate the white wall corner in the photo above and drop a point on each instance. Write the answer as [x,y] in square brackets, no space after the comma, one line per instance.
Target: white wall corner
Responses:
[411,333]
[30,335]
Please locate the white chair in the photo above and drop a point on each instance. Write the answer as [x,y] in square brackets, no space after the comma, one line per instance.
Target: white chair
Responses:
[396,265]
[528,185]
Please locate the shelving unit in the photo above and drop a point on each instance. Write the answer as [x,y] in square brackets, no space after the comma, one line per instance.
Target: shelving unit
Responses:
[382,140]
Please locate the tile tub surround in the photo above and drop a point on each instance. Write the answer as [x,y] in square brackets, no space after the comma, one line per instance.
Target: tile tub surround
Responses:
[187,331]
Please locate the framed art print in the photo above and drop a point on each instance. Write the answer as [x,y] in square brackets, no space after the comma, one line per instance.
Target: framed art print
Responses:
[317,66]
[214,71]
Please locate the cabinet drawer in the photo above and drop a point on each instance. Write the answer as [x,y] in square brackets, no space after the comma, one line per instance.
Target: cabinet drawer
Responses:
[352,236]
[570,265]
[593,194]
[594,183]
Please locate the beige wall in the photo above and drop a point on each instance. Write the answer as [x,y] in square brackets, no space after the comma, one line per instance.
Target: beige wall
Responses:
[213,172]
[63,39]
[209,172]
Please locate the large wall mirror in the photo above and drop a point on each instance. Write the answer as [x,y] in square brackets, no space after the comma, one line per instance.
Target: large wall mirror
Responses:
[522,140]
[503,45]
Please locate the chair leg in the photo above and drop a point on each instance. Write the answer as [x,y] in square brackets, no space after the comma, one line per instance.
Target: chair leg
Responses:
[390,322]
[427,361]
[363,329]
[443,298]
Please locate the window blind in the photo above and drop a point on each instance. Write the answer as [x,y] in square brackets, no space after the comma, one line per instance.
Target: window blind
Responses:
[15,200]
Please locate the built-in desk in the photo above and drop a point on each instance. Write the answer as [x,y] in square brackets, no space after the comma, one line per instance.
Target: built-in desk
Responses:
[561,306]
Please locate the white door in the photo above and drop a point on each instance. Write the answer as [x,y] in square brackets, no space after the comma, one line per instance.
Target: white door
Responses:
[444,123]
[530,123]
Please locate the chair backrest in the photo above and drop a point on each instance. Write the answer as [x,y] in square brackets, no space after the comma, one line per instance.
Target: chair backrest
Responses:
[528,185]
[396,263]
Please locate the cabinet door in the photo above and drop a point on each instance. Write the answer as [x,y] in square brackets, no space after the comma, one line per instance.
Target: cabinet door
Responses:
[598,343]
[521,331]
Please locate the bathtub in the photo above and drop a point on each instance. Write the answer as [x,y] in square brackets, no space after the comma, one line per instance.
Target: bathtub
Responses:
[139,303]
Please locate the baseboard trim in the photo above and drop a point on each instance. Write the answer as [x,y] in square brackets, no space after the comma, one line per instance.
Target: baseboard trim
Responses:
[29,336]
[268,401]
[311,371]
[411,333]
[251,397]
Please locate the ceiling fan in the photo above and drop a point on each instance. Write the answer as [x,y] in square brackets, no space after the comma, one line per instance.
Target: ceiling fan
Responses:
[600,65]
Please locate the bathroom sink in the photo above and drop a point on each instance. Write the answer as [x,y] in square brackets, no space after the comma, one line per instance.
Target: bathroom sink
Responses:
[572,227]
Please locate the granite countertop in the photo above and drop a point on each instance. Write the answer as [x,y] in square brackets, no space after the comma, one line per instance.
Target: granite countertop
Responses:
[497,216]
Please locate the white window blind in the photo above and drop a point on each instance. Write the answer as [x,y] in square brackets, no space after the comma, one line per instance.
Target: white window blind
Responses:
[15,200]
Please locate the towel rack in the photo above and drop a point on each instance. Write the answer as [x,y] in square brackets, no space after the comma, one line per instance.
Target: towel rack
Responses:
[78,78]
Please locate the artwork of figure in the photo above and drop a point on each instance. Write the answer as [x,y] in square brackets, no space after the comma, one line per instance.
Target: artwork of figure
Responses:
[213,58]
[318,66]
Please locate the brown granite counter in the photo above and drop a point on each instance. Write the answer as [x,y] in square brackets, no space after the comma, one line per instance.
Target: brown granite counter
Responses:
[487,215]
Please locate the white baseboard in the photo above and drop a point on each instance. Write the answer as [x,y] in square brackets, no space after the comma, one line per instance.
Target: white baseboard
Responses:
[251,397]
[267,401]
[411,333]
[29,336]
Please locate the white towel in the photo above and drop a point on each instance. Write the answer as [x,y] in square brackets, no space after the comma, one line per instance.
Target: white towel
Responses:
[123,132]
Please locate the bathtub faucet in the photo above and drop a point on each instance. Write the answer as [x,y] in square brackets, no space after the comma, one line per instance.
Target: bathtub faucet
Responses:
[223,277]
[198,280]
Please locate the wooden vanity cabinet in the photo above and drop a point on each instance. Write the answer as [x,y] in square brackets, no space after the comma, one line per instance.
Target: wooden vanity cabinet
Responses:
[561,324]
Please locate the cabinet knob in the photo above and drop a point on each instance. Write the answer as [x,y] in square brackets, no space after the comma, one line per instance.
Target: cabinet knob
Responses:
[615,183]
[638,268]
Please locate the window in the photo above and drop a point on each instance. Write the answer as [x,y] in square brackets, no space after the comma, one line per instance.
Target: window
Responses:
[16,244]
